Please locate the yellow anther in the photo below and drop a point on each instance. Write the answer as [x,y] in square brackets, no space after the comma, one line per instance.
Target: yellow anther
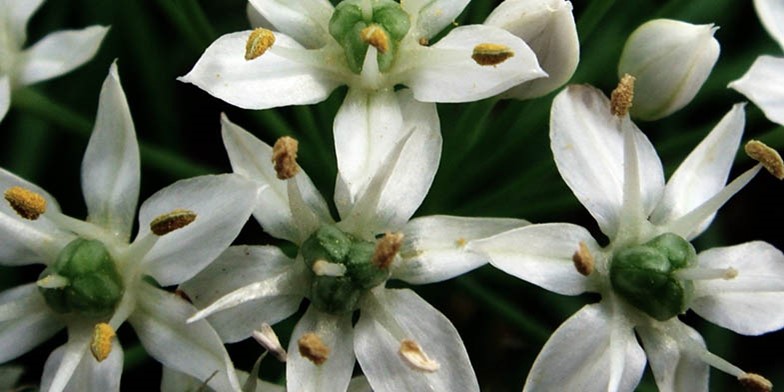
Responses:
[258,42]
[284,155]
[491,54]
[376,36]
[313,348]
[415,357]
[461,242]
[622,97]
[583,260]
[768,157]
[26,203]
[174,220]
[101,345]
[755,383]
[386,250]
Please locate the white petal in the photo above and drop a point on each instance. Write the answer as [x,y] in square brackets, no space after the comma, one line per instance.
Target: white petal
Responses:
[429,17]
[5,96]
[222,204]
[59,53]
[61,366]
[703,173]
[305,21]
[753,302]
[542,255]
[334,374]
[17,14]
[25,321]
[445,72]
[435,246]
[252,158]
[675,365]
[759,84]
[90,375]
[587,145]
[110,169]
[548,27]
[195,349]
[393,315]
[265,267]
[771,13]
[586,352]
[265,82]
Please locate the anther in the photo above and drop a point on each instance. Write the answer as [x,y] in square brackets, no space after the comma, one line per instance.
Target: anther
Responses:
[258,42]
[325,268]
[53,281]
[26,203]
[583,260]
[768,157]
[491,54]
[424,41]
[755,383]
[622,97]
[175,220]
[386,250]
[313,348]
[284,155]
[101,345]
[415,357]
[376,36]
[267,338]
[461,242]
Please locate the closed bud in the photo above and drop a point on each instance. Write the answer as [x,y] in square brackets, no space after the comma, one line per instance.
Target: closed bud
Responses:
[671,60]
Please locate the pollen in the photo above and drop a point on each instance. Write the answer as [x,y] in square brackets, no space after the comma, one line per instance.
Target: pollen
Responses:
[386,250]
[376,36]
[461,242]
[755,383]
[768,157]
[313,348]
[101,345]
[622,97]
[258,42]
[583,260]
[172,221]
[413,355]
[284,156]
[491,54]
[26,203]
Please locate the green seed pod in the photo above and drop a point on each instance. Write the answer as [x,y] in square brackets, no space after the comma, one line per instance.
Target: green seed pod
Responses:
[360,268]
[346,15]
[327,243]
[678,251]
[394,20]
[334,295]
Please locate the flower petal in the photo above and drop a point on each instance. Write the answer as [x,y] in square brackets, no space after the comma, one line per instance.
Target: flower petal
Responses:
[674,365]
[110,169]
[17,14]
[542,254]
[333,374]
[175,381]
[588,352]
[195,348]
[703,173]
[435,247]
[771,13]
[265,82]
[446,72]
[5,96]
[753,302]
[391,316]
[59,53]
[429,17]
[587,145]
[305,21]
[61,366]
[25,321]
[89,375]
[759,85]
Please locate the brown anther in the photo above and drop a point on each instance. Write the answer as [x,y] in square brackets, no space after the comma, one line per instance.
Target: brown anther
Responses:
[622,97]
[768,157]
[413,355]
[376,36]
[386,250]
[491,54]
[284,155]
[424,41]
[755,383]
[583,260]
[101,344]
[313,348]
[26,203]
[172,221]
[258,42]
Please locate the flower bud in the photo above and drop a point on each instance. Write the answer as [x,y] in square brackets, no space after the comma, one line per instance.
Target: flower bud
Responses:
[547,26]
[671,60]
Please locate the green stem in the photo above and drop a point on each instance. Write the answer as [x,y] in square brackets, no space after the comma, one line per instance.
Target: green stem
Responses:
[198,18]
[589,20]
[179,19]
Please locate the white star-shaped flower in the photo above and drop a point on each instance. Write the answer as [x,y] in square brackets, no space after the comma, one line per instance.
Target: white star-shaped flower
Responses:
[96,279]
[648,274]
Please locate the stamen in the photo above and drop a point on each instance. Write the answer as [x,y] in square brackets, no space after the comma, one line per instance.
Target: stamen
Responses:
[768,157]
[376,36]
[53,281]
[325,268]
[583,260]
[415,357]
[386,250]
[424,41]
[707,273]
[26,203]
[622,97]
[267,338]
[175,220]
[313,348]
[101,345]
[461,242]
[755,383]
[284,155]
[259,41]
[491,54]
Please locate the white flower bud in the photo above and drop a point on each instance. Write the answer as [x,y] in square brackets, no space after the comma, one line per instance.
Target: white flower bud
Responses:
[547,26]
[671,60]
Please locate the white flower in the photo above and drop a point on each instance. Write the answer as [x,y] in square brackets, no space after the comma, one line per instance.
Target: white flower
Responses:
[56,54]
[762,82]
[648,273]
[401,342]
[96,280]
